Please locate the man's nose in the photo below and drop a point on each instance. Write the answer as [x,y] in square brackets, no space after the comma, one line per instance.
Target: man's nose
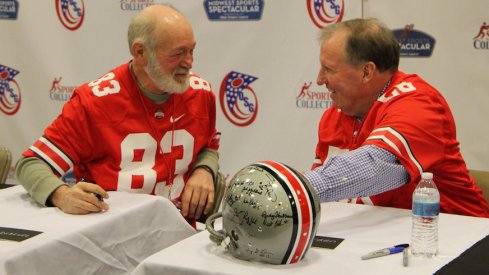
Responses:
[322,79]
[187,61]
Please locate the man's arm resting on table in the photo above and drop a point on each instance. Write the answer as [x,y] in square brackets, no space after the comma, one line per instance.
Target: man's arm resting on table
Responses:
[198,195]
[366,171]
[40,182]
[37,179]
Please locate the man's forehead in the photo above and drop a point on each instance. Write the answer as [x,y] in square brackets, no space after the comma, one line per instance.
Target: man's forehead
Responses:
[333,46]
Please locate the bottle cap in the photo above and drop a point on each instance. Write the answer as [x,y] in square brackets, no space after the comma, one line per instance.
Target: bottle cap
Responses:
[427,175]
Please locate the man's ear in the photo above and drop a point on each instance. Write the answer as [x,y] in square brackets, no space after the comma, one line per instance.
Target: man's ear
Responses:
[368,71]
[139,53]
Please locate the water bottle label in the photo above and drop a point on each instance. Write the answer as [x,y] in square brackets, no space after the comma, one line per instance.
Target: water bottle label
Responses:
[426,209]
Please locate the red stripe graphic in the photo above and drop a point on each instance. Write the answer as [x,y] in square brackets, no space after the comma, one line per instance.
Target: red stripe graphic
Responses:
[305,227]
[53,158]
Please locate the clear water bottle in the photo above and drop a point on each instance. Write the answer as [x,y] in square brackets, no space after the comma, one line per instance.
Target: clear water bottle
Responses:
[426,208]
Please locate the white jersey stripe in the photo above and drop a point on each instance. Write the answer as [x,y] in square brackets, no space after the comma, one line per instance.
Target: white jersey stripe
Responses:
[48,160]
[386,140]
[366,200]
[56,150]
[402,140]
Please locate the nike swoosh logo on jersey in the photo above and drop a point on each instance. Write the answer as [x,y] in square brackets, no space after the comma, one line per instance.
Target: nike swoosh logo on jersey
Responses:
[172,120]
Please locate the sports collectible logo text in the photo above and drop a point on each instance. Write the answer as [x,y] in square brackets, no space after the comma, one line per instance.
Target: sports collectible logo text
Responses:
[311,99]
[60,92]
[134,5]
[481,40]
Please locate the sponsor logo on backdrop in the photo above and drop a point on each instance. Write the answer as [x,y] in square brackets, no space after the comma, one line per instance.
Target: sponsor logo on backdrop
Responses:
[325,12]
[481,40]
[234,10]
[414,43]
[238,100]
[9,9]
[60,92]
[135,5]
[312,98]
[71,13]
[10,97]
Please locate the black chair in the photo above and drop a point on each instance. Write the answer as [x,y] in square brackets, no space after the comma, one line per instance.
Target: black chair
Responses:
[5,162]
[482,181]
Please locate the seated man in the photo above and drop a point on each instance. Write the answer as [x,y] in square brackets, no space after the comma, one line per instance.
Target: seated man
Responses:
[388,125]
[148,126]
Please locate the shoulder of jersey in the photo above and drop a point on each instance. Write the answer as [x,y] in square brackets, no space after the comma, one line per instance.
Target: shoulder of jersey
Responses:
[198,83]
[106,87]
[406,88]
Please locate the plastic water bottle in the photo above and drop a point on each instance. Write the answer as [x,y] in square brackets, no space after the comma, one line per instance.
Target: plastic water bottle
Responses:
[426,208]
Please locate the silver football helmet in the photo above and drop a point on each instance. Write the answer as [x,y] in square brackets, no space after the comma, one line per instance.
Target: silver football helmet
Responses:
[270,214]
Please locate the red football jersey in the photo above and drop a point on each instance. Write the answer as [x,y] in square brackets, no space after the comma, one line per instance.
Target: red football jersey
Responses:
[111,134]
[412,121]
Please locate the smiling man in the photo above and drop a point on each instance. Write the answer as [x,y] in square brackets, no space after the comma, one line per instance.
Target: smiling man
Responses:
[385,127]
[147,126]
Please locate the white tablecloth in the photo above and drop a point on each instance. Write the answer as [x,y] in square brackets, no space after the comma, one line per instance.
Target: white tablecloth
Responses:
[363,228]
[113,242]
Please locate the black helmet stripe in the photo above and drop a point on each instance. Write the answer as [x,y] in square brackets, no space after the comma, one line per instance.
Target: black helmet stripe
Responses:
[301,209]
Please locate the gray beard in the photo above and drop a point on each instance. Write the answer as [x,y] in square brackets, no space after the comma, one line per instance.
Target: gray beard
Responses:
[164,82]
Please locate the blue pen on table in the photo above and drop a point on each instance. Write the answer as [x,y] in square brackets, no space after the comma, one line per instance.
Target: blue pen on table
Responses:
[386,251]
[99,197]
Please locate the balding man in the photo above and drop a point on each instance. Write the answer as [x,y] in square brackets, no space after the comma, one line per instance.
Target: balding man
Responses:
[148,126]
[385,127]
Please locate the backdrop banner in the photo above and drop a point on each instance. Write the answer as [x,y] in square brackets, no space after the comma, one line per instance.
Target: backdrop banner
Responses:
[260,56]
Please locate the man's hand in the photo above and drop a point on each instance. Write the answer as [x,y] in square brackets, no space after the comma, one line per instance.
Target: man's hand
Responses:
[198,195]
[79,198]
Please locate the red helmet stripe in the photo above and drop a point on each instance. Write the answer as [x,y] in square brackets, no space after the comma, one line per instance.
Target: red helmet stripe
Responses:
[304,213]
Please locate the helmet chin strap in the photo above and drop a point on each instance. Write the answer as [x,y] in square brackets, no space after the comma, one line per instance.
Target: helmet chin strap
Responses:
[216,236]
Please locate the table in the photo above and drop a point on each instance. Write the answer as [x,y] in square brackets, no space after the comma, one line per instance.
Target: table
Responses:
[364,229]
[112,242]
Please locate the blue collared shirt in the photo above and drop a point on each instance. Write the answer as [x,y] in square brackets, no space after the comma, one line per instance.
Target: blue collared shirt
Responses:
[366,171]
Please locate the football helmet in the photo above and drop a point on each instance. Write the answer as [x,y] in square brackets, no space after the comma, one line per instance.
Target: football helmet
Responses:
[270,214]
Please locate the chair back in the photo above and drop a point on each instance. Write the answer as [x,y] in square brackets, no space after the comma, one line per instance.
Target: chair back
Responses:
[5,162]
[482,181]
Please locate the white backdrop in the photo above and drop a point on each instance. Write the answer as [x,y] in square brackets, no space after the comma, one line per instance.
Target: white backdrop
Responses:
[280,49]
